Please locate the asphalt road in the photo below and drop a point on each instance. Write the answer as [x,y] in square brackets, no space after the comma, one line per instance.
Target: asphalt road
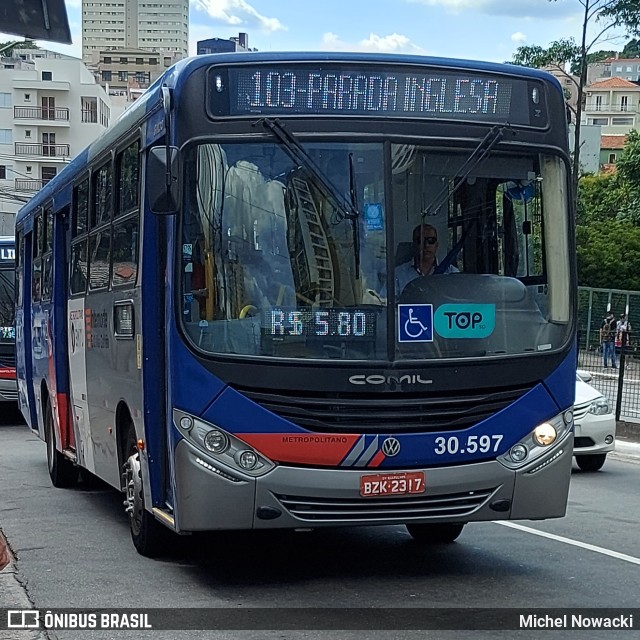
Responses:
[72,549]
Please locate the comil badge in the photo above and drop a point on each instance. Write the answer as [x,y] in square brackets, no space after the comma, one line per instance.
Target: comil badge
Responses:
[465,320]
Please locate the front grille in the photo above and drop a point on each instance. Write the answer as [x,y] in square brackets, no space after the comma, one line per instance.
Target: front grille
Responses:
[393,412]
[580,411]
[7,359]
[583,441]
[383,509]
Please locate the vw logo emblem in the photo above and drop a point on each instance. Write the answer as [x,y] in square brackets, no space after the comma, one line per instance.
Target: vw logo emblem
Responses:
[391,447]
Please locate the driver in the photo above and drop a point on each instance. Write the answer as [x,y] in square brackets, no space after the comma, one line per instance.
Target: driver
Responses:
[424,261]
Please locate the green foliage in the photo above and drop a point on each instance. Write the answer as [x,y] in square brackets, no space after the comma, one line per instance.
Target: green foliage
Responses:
[7,46]
[631,49]
[628,171]
[608,255]
[599,198]
[558,53]
[596,56]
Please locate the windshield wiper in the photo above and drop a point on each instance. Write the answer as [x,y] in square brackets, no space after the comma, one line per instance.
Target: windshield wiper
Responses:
[477,156]
[347,208]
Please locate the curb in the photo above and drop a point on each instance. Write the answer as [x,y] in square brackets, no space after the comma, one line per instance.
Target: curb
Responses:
[13,595]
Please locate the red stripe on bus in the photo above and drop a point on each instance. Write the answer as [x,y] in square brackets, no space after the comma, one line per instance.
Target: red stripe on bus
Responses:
[7,373]
[302,448]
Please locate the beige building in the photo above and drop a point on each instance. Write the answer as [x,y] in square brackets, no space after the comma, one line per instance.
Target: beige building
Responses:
[614,105]
[625,68]
[121,71]
[150,25]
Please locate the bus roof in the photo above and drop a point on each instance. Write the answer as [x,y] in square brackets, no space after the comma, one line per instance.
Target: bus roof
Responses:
[61,185]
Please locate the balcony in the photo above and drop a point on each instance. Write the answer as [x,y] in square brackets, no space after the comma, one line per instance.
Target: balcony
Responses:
[41,113]
[26,184]
[40,149]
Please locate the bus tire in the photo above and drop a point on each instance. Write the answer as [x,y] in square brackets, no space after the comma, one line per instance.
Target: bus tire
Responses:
[592,462]
[62,471]
[149,537]
[437,533]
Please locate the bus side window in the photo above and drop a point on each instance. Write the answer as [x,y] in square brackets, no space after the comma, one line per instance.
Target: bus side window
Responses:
[78,280]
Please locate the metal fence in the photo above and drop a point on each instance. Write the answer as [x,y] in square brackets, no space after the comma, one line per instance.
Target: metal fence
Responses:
[622,384]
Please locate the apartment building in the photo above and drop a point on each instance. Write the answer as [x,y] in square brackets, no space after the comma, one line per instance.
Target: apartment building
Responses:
[625,68]
[50,109]
[614,105]
[151,25]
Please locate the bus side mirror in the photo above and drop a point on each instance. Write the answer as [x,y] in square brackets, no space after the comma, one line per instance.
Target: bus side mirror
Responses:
[162,180]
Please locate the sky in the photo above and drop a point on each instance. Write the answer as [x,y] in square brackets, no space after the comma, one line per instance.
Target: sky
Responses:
[471,29]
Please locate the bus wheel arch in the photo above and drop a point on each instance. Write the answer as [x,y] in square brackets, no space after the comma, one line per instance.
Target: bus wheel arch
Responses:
[149,537]
[62,471]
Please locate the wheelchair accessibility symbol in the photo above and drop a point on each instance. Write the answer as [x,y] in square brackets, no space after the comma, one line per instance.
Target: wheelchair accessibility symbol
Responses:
[415,323]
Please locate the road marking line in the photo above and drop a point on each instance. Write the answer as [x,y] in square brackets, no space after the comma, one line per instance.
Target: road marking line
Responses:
[575,543]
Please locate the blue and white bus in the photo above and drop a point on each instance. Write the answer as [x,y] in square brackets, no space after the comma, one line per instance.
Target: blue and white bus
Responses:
[310,290]
[8,390]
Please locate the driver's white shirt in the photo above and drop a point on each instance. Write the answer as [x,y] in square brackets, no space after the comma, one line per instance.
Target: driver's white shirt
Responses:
[406,272]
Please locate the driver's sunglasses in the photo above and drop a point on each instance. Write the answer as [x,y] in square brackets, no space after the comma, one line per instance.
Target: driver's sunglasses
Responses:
[426,240]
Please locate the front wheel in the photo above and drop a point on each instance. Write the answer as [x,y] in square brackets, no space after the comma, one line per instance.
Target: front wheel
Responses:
[62,471]
[440,533]
[149,537]
[593,462]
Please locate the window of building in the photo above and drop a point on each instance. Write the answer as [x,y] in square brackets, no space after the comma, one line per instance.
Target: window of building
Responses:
[106,76]
[139,60]
[3,172]
[47,75]
[47,173]
[123,75]
[6,136]
[153,61]
[27,133]
[600,121]
[624,103]
[124,61]
[48,144]
[27,97]
[107,59]
[598,103]
[5,100]
[28,169]
[622,120]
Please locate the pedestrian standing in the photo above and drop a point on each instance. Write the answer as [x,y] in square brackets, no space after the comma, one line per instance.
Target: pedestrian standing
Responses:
[607,340]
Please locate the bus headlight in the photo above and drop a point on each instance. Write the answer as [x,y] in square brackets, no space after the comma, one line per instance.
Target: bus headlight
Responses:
[225,450]
[538,441]
[544,434]
[216,441]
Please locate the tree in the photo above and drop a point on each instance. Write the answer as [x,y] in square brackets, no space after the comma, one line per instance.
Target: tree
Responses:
[628,172]
[631,49]
[608,14]
[596,56]
[608,254]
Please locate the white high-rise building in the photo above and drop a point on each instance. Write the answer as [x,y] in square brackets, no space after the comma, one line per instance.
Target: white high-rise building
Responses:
[51,108]
[151,25]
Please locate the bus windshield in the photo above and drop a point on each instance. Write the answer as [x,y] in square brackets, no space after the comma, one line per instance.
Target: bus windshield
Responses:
[287,257]
[7,309]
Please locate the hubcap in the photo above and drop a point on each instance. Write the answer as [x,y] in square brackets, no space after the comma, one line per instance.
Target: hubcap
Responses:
[134,505]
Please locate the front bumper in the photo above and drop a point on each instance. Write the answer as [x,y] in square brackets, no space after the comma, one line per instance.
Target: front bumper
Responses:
[8,390]
[590,434]
[208,497]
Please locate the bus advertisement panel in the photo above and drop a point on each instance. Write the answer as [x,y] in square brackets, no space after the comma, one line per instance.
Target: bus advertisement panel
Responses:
[311,290]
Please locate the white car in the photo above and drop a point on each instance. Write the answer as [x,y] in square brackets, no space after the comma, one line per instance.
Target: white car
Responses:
[594,423]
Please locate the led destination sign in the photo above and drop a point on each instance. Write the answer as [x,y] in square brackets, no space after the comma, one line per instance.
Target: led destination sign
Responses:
[325,323]
[370,91]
